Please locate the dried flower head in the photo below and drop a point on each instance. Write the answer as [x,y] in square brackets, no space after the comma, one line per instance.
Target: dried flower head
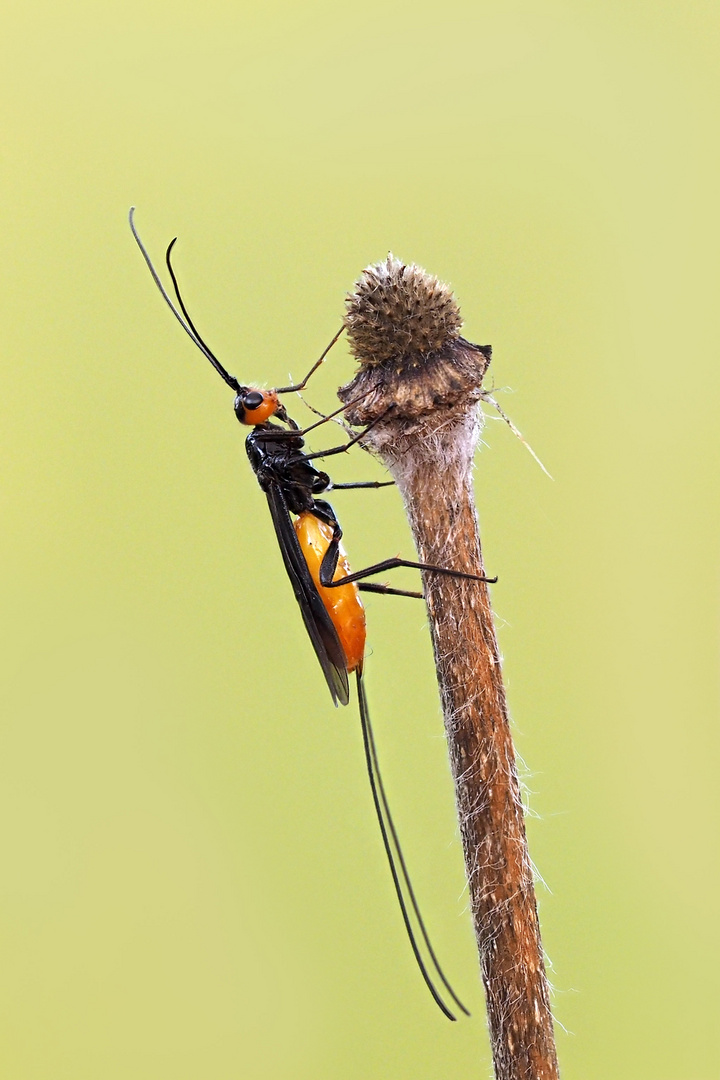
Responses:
[398,311]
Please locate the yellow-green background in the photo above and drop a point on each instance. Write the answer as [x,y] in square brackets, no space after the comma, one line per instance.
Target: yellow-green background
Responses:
[191,881]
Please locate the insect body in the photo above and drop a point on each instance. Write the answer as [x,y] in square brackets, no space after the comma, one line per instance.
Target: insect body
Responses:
[290,482]
[325,588]
[312,556]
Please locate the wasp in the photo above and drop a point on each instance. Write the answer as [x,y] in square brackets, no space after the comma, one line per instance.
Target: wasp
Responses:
[327,591]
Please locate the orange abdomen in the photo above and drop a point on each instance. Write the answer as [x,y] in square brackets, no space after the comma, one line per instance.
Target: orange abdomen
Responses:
[343,604]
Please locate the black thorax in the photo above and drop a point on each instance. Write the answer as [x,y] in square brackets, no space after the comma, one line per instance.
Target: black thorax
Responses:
[278,460]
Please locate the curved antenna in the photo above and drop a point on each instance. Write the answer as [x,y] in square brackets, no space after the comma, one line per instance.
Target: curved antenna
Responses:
[187,326]
[382,810]
[229,379]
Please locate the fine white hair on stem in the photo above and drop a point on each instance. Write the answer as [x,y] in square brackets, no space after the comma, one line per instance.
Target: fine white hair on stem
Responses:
[516,432]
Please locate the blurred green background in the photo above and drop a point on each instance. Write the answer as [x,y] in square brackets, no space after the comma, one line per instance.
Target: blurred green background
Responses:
[192,880]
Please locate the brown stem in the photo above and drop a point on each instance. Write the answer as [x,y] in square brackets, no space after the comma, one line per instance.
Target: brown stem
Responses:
[427,442]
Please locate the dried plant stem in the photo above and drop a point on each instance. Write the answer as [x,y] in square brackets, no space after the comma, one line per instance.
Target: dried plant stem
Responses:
[427,441]
[442,515]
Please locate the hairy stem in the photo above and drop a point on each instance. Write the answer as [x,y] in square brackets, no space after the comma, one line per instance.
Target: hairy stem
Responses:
[426,436]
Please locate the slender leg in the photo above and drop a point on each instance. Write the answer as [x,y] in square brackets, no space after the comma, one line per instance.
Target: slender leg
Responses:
[311,427]
[370,586]
[390,564]
[317,412]
[364,484]
[346,446]
[313,369]
[328,566]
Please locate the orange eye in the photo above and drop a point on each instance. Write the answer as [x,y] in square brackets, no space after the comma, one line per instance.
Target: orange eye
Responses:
[258,406]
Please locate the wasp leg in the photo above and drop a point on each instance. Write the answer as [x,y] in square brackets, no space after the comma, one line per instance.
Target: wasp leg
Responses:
[365,484]
[346,446]
[367,586]
[328,566]
[390,564]
[313,369]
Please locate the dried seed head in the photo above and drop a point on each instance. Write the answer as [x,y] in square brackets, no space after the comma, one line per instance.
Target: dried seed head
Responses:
[399,311]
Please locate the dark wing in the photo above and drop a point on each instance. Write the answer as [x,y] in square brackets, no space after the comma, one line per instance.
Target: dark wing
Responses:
[318,623]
